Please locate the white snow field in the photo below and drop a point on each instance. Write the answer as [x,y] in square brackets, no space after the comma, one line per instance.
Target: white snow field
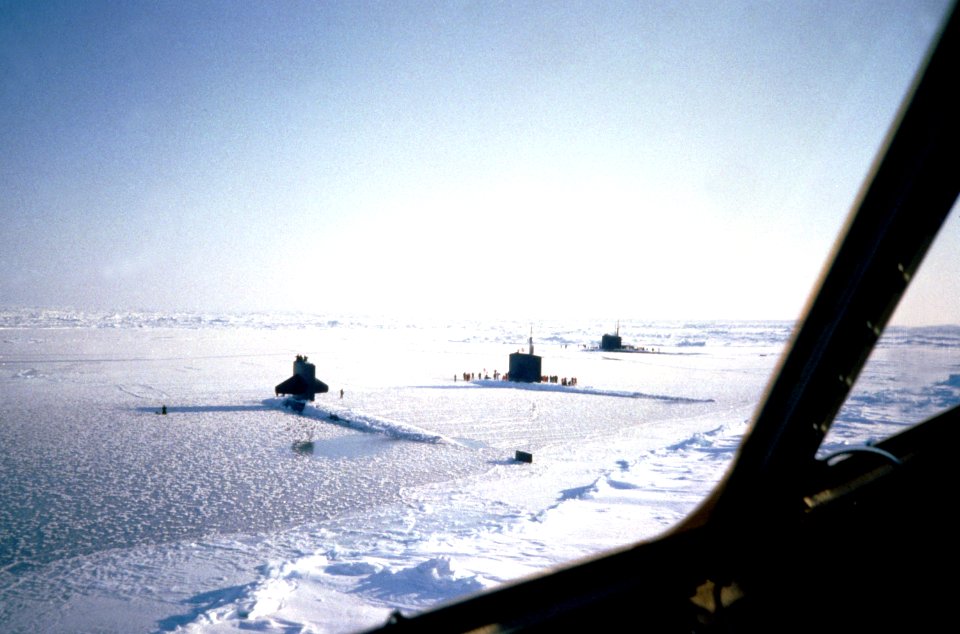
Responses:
[233,513]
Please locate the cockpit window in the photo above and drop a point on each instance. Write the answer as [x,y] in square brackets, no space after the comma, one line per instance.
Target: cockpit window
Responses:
[399,190]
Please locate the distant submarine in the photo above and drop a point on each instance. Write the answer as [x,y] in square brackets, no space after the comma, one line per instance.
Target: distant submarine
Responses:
[303,385]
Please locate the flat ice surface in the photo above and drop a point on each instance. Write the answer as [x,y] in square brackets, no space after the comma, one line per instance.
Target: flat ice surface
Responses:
[233,512]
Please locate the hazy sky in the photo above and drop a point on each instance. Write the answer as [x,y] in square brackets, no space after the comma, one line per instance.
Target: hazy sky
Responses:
[620,160]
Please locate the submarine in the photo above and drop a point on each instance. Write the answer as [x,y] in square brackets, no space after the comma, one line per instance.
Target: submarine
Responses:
[304,384]
[614,343]
[525,367]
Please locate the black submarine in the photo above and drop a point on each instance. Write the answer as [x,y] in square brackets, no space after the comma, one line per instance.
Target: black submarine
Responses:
[614,343]
[525,367]
[303,385]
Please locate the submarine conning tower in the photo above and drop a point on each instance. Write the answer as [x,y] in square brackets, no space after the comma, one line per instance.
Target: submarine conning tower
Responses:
[612,342]
[304,383]
[303,369]
[525,367]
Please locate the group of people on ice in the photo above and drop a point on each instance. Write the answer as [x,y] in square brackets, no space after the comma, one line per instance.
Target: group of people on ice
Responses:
[470,376]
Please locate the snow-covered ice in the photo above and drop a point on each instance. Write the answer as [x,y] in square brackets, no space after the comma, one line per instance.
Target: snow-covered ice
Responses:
[233,512]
